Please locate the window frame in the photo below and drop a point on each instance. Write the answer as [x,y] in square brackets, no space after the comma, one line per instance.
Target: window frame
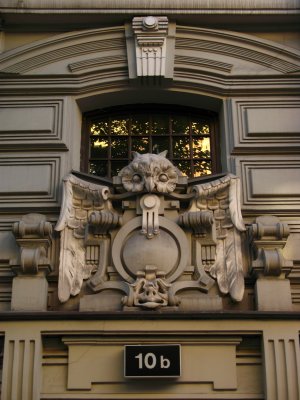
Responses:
[151,108]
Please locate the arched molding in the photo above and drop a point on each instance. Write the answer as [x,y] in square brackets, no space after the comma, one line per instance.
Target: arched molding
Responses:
[214,62]
[38,58]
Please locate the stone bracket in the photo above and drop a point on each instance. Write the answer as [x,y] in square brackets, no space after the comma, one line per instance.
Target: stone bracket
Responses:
[150,47]
[33,235]
[30,287]
[268,237]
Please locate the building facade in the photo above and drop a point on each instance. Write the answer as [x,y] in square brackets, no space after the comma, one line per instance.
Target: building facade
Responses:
[215,272]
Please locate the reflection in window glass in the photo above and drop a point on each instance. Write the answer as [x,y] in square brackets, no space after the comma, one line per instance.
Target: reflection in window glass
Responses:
[100,128]
[119,147]
[202,168]
[140,144]
[99,147]
[181,147]
[181,126]
[185,133]
[201,147]
[119,126]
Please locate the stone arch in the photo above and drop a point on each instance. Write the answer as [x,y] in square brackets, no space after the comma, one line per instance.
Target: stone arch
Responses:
[210,61]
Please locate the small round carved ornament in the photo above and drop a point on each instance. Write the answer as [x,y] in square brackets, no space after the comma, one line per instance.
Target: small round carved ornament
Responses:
[150,22]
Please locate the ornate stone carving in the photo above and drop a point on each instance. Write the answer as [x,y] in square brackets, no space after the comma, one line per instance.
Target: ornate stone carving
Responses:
[33,235]
[30,287]
[156,241]
[149,291]
[268,237]
[81,200]
[150,172]
[150,47]
[150,39]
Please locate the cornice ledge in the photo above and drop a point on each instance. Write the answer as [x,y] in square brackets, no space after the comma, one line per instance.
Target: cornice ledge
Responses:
[148,6]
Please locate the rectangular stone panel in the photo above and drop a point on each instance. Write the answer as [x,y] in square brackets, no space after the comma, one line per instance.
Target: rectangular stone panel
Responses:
[265,123]
[92,361]
[25,119]
[270,184]
[31,122]
[273,121]
[29,181]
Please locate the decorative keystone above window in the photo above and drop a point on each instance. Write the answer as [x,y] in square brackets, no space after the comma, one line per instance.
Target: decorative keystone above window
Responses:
[150,47]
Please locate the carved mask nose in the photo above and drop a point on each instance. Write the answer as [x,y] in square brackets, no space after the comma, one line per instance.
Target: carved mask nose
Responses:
[149,184]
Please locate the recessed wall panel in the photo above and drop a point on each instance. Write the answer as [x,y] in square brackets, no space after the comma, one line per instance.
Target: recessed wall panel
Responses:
[29,122]
[29,181]
[265,124]
[269,184]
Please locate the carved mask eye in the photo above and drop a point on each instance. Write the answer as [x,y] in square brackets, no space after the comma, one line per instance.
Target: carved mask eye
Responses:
[136,178]
[163,178]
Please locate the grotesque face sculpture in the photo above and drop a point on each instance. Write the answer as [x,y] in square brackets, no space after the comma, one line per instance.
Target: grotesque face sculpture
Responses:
[151,173]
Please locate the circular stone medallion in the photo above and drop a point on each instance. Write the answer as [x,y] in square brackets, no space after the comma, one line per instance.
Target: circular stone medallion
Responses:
[161,251]
[168,251]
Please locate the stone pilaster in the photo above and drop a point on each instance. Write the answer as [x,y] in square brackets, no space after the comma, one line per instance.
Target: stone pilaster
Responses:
[282,364]
[21,366]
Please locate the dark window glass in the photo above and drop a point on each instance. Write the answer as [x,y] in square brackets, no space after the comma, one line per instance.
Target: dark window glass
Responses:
[110,136]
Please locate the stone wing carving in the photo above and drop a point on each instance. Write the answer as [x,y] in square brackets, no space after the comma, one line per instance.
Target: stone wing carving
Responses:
[81,200]
[222,198]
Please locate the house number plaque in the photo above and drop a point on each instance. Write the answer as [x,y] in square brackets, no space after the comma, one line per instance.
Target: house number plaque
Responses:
[152,361]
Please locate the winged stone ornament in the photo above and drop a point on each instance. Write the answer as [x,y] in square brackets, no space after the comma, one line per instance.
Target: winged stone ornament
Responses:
[151,238]
[221,199]
[82,202]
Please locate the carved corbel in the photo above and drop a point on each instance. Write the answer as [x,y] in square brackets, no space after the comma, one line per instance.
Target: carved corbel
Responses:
[150,47]
[97,241]
[33,235]
[30,287]
[268,237]
[203,243]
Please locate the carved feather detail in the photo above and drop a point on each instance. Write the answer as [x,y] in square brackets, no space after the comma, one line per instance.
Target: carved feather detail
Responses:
[222,197]
[80,200]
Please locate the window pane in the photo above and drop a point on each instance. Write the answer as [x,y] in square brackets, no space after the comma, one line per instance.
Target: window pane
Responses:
[184,132]
[120,126]
[119,147]
[140,144]
[201,148]
[180,125]
[200,128]
[140,125]
[160,125]
[99,147]
[160,144]
[100,128]
[181,147]
[116,167]
[184,166]
[202,168]
[98,168]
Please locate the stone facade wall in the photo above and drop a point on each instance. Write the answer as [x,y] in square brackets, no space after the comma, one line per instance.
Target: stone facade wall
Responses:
[56,63]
